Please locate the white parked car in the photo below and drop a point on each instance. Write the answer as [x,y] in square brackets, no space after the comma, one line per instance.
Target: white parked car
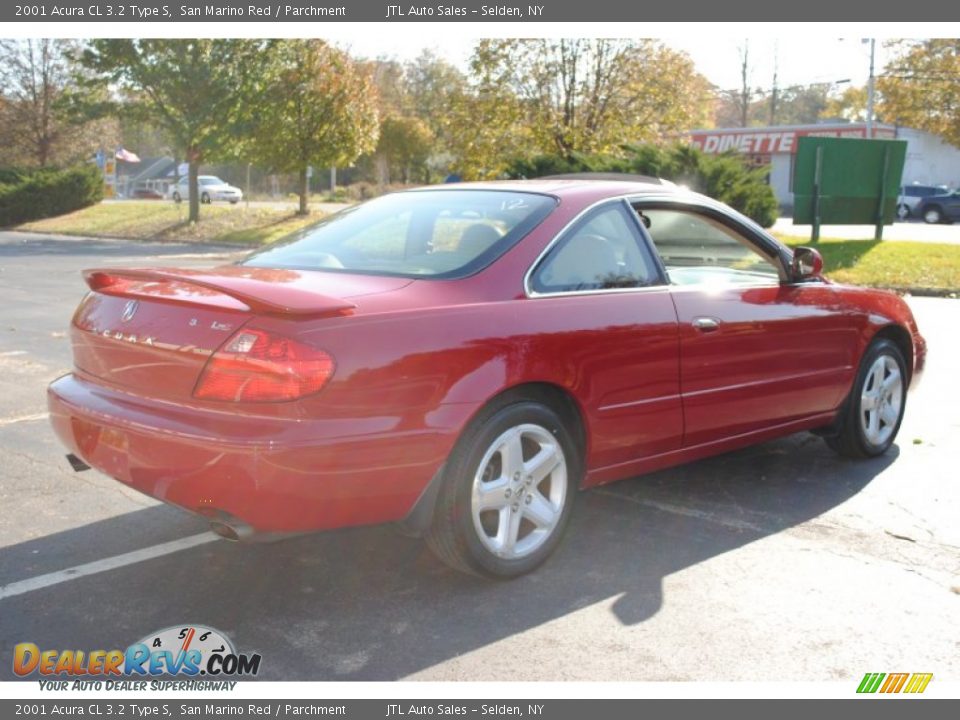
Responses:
[211,188]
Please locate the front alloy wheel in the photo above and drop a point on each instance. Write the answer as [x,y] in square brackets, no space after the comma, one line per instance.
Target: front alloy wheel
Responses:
[873,412]
[507,493]
[881,400]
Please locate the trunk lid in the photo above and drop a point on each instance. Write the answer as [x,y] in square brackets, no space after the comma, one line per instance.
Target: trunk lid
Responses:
[151,331]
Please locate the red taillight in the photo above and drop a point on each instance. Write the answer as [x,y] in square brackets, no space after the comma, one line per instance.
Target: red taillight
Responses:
[256,366]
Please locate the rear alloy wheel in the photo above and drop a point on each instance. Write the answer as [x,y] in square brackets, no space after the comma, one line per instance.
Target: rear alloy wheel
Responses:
[508,492]
[176,198]
[205,199]
[903,211]
[933,215]
[875,407]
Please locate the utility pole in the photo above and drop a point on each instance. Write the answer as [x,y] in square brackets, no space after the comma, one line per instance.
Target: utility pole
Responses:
[773,94]
[744,83]
[870,88]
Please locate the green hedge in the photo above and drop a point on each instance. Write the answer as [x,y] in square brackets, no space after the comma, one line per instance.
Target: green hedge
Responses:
[726,177]
[31,195]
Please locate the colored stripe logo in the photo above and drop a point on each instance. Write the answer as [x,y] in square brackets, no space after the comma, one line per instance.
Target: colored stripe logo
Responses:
[914,683]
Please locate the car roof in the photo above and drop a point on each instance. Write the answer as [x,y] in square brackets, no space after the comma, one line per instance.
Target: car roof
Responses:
[919,186]
[570,187]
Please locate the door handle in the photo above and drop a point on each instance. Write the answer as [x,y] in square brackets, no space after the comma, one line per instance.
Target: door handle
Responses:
[706,324]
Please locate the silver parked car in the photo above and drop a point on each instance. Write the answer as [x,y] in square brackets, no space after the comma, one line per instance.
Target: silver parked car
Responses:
[912,196]
[211,188]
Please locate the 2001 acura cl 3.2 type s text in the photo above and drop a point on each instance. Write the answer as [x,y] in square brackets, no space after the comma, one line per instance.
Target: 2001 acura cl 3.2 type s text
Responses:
[462,359]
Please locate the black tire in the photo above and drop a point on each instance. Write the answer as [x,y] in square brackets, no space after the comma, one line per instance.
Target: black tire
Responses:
[852,440]
[933,215]
[205,199]
[234,202]
[454,536]
[903,211]
[176,198]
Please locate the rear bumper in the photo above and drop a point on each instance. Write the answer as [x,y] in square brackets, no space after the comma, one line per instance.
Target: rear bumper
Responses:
[277,475]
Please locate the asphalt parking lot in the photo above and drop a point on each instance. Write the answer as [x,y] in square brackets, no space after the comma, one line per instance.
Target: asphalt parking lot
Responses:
[780,562]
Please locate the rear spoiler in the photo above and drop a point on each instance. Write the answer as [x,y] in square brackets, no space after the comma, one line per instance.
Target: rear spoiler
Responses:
[260,296]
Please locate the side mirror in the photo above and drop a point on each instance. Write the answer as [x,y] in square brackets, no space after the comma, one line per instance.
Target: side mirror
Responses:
[807,264]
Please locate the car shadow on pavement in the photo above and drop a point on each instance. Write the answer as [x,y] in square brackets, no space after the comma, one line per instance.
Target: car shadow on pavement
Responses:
[368,604]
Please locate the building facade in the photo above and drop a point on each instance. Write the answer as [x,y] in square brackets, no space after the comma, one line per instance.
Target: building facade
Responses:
[929,161]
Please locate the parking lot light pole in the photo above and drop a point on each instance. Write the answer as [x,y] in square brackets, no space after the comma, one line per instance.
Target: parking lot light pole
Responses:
[870,88]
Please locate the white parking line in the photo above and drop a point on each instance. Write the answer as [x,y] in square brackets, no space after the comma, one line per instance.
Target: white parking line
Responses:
[23,418]
[99,566]
[10,353]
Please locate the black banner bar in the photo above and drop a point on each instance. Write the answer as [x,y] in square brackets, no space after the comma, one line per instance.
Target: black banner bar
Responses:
[335,11]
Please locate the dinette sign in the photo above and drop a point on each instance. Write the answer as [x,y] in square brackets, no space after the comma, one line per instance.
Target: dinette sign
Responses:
[760,142]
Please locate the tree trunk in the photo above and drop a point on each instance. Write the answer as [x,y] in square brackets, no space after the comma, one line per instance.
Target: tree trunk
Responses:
[383,170]
[304,192]
[193,188]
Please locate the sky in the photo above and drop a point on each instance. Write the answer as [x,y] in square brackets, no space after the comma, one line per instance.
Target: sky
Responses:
[801,59]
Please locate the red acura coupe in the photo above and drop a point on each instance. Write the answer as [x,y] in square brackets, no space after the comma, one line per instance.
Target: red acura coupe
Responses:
[461,360]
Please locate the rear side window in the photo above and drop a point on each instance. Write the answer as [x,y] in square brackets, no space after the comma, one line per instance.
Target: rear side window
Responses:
[921,191]
[603,251]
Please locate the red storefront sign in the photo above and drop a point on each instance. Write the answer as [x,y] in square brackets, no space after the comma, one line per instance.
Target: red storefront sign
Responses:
[770,141]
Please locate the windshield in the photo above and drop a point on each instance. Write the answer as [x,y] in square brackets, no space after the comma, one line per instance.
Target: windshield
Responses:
[440,233]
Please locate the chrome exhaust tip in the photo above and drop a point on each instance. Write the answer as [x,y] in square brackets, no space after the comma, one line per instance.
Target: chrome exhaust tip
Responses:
[231,529]
[76,463]
[224,531]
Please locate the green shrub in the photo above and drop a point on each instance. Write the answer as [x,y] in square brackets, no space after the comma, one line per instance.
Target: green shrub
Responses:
[541,165]
[726,177]
[11,175]
[32,195]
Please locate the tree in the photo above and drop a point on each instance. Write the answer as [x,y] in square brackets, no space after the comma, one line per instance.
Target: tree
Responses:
[432,85]
[792,105]
[196,90]
[37,78]
[593,95]
[390,80]
[851,105]
[802,104]
[417,95]
[921,87]
[404,147]
[487,123]
[316,107]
